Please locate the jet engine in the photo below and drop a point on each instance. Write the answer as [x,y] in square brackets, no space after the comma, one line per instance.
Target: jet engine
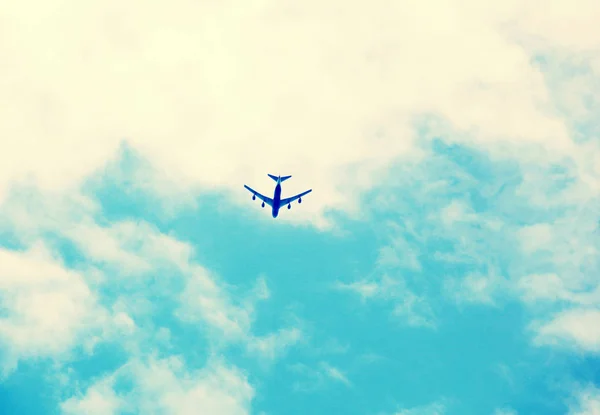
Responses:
[253,197]
[289,206]
[263,204]
[300,200]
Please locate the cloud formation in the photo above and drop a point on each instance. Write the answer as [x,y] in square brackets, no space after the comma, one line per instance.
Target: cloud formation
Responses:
[464,132]
[171,82]
[587,402]
[47,309]
[165,386]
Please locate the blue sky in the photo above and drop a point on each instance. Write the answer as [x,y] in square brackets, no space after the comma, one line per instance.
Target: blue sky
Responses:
[446,262]
[377,317]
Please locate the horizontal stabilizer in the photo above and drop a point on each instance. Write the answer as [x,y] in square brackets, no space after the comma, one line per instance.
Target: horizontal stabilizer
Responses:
[275,178]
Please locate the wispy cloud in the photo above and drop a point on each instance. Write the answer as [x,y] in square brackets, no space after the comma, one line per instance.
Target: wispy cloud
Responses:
[311,378]
[335,373]
[435,408]
[274,345]
[399,254]
[475,288]
[518,235]
[410,308]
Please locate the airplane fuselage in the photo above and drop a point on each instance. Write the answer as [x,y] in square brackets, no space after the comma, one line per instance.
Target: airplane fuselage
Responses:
[276,200]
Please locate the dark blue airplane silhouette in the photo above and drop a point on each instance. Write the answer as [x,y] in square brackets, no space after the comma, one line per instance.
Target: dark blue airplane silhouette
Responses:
[277,201]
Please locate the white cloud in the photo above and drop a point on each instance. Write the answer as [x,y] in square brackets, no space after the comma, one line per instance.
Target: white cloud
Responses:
[202,296]
[202,300]
[99,399]
[552,288]
[415,310]
[273,345]
[568,243]
[365,289]
[457,211]
[129,247]
[100,245]
[579,327]
[435,408]
[542,287]
[126,256]
[535,237]
[121,250]
[568,25]
[335,373]
[28,212]
[411,308]
[588,402]
[567,249]
[523,230]
[318,377]
[506,373]
[166,386]
[399,254]
[324,94]
[475,288]
[261,290]
[133,247]
[48,309]
[218,94]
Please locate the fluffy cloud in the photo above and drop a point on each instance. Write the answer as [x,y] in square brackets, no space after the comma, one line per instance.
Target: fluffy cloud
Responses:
[568,253]
[552,288]
[211,92]
[587,402]
[48,310]
[108,290]
[165,386]
[511,230]
[111,293]
[99,399]
[214,95]
[578,327]
[204,301]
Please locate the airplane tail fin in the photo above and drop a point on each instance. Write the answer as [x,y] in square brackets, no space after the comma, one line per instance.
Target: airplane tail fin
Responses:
[275,178]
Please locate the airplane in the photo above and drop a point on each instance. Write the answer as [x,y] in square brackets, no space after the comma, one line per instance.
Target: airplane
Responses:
[277,201]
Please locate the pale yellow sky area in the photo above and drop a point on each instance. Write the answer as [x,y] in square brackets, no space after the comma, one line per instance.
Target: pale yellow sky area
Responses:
[218,94]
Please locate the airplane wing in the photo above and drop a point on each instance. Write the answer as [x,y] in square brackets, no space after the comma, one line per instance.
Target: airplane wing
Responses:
[265,199]
[291,199]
